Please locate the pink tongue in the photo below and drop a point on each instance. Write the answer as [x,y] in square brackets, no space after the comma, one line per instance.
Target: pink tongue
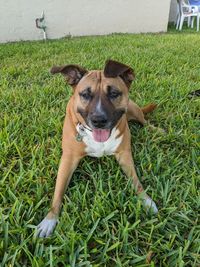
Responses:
[101,135]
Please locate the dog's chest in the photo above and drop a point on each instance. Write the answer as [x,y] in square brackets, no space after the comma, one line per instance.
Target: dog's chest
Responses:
[99,149]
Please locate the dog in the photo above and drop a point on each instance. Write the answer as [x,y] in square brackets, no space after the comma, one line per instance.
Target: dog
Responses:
[96,124]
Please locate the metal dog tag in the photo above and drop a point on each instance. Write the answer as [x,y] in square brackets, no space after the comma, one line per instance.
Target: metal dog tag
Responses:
[79,137]
[81,133]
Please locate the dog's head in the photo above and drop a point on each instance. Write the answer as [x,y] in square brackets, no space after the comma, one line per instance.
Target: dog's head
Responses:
[100,97]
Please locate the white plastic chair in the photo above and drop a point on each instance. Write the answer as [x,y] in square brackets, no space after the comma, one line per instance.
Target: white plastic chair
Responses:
[184,10]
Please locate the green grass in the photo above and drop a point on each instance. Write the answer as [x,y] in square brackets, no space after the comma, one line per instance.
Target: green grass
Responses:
[102,221]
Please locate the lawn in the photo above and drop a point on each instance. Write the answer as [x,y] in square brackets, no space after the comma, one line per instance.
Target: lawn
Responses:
[102,222]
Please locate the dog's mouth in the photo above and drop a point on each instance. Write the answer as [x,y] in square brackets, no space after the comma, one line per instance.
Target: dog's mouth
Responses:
[101,135]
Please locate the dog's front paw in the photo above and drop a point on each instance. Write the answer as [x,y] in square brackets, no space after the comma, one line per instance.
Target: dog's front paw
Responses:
[46,227]
[149,204]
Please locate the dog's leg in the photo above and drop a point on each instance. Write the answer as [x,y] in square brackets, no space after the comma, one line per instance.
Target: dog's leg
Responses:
[126,162]
[67,166]
[135,113]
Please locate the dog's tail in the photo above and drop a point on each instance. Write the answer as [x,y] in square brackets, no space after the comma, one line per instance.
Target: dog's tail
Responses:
[148,108]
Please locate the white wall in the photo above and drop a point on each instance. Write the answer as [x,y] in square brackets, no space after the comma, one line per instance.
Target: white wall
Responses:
[81,17]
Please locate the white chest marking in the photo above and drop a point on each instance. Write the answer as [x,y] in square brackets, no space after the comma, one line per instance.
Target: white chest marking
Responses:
[99,149]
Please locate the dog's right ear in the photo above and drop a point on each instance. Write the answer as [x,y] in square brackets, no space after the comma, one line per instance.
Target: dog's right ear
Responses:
[72,73]
[116,69]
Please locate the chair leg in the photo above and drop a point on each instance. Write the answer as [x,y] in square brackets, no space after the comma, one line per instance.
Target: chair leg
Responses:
[181,23]
[177,22]
[192,23]
[189,21]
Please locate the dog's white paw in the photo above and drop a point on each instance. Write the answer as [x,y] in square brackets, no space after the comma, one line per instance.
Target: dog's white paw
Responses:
[150,204]
[46,227]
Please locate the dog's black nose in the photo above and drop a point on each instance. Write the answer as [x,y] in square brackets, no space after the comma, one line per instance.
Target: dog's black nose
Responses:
[99,121]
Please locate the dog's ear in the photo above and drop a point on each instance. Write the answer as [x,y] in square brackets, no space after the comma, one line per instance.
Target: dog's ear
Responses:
[114,69]
[72,73]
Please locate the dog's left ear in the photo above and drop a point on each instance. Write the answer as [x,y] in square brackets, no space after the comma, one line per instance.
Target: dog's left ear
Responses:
[114,69]
[72,73]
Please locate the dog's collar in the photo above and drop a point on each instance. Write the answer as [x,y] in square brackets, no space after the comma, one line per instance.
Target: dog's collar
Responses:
[81,131]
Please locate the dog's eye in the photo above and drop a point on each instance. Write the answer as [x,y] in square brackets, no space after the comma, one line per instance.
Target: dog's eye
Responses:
[113,94]
[86,94]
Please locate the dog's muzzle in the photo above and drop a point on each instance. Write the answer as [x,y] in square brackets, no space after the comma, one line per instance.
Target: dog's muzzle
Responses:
[99,120]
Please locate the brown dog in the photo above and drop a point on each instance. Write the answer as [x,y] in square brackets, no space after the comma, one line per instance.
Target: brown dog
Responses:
[96,124]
